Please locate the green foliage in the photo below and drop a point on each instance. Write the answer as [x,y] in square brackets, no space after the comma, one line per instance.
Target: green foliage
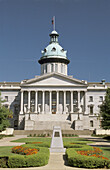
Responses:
[39,159]
[81,161]
[3,162]
[105,111]
[16,161]
[69,135]
[4,115]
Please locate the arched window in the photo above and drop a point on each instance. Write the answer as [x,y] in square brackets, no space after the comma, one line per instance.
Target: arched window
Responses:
[53,49]
[91,123]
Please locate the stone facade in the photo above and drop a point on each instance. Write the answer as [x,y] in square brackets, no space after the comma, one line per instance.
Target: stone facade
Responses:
[54,98]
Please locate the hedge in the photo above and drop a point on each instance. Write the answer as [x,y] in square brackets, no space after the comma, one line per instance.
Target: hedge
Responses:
[19,161]
[3,162]
[40,144]
[81,161]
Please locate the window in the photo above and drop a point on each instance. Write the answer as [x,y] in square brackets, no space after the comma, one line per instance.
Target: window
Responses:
[6,98]
[91,123]
[91,109]
[61,68]
[53,49]
[56,68]
[100,98]
[46,68]
[51,67]
[90,98]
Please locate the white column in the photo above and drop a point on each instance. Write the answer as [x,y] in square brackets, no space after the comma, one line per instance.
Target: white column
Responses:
[64,102]
[36,101]
[50,97]
[71,101]
[21,111]
[79,100]
[43,101]
[29,99]
[85,102]
[57,101]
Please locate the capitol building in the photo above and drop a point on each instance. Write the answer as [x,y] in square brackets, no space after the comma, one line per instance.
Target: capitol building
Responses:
[54,98]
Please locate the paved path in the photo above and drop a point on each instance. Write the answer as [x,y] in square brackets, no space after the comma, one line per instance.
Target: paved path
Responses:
[6,141]
[57,161]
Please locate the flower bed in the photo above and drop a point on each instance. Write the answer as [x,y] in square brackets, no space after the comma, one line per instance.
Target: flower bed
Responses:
[24,150]
[87,157]
[94,153]
[25,156]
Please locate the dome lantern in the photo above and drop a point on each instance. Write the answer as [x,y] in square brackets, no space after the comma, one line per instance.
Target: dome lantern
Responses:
[54,58]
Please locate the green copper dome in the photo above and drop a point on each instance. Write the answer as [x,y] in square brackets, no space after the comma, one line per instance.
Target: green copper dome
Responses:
[54,52]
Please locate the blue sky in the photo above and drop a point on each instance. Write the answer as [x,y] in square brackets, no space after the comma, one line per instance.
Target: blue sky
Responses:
[83,26]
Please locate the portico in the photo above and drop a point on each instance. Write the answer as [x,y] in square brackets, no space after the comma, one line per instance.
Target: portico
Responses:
[52,102]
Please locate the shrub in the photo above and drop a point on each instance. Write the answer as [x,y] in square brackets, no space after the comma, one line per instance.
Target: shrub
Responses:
[40,159]
[16,161]
[78,160]
[3,162]
[35,160]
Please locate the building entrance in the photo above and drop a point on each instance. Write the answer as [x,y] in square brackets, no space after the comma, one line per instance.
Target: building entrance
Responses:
[53,102]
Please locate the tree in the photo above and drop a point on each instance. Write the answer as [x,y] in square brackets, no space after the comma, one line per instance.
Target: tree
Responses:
[5,114]
[105,111]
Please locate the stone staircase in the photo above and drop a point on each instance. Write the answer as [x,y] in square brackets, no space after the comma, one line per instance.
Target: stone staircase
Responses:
[48,125]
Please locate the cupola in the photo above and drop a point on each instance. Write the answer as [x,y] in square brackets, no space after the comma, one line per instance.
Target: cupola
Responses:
[54,57]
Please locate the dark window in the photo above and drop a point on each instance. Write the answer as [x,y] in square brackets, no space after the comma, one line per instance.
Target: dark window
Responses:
[91,123]
[91,109]
[6,98]
[91,98]
[53,49]
[100,98]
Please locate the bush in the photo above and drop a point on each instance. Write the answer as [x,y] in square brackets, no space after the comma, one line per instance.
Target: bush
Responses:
[3,162]
[77,160]
[39,159]
[16,161]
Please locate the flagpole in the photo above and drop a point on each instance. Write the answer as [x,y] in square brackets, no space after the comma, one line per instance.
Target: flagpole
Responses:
[54,24]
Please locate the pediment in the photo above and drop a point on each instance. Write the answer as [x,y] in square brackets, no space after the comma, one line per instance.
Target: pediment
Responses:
[54,79]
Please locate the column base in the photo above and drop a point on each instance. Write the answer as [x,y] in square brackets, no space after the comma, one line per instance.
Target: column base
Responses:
[21,113]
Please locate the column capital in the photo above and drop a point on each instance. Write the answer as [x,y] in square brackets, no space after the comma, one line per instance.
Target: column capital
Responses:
[21,90]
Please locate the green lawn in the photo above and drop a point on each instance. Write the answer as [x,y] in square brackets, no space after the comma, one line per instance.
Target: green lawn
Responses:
[6,150]
[31,139]
[43,139]
[106,151]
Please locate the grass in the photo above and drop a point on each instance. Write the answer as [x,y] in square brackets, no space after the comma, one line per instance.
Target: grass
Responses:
[106,151]
[48,140]
[6,150]
[30,139]
[76,140]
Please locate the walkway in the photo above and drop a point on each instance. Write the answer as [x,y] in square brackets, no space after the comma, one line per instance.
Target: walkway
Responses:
[57,161]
